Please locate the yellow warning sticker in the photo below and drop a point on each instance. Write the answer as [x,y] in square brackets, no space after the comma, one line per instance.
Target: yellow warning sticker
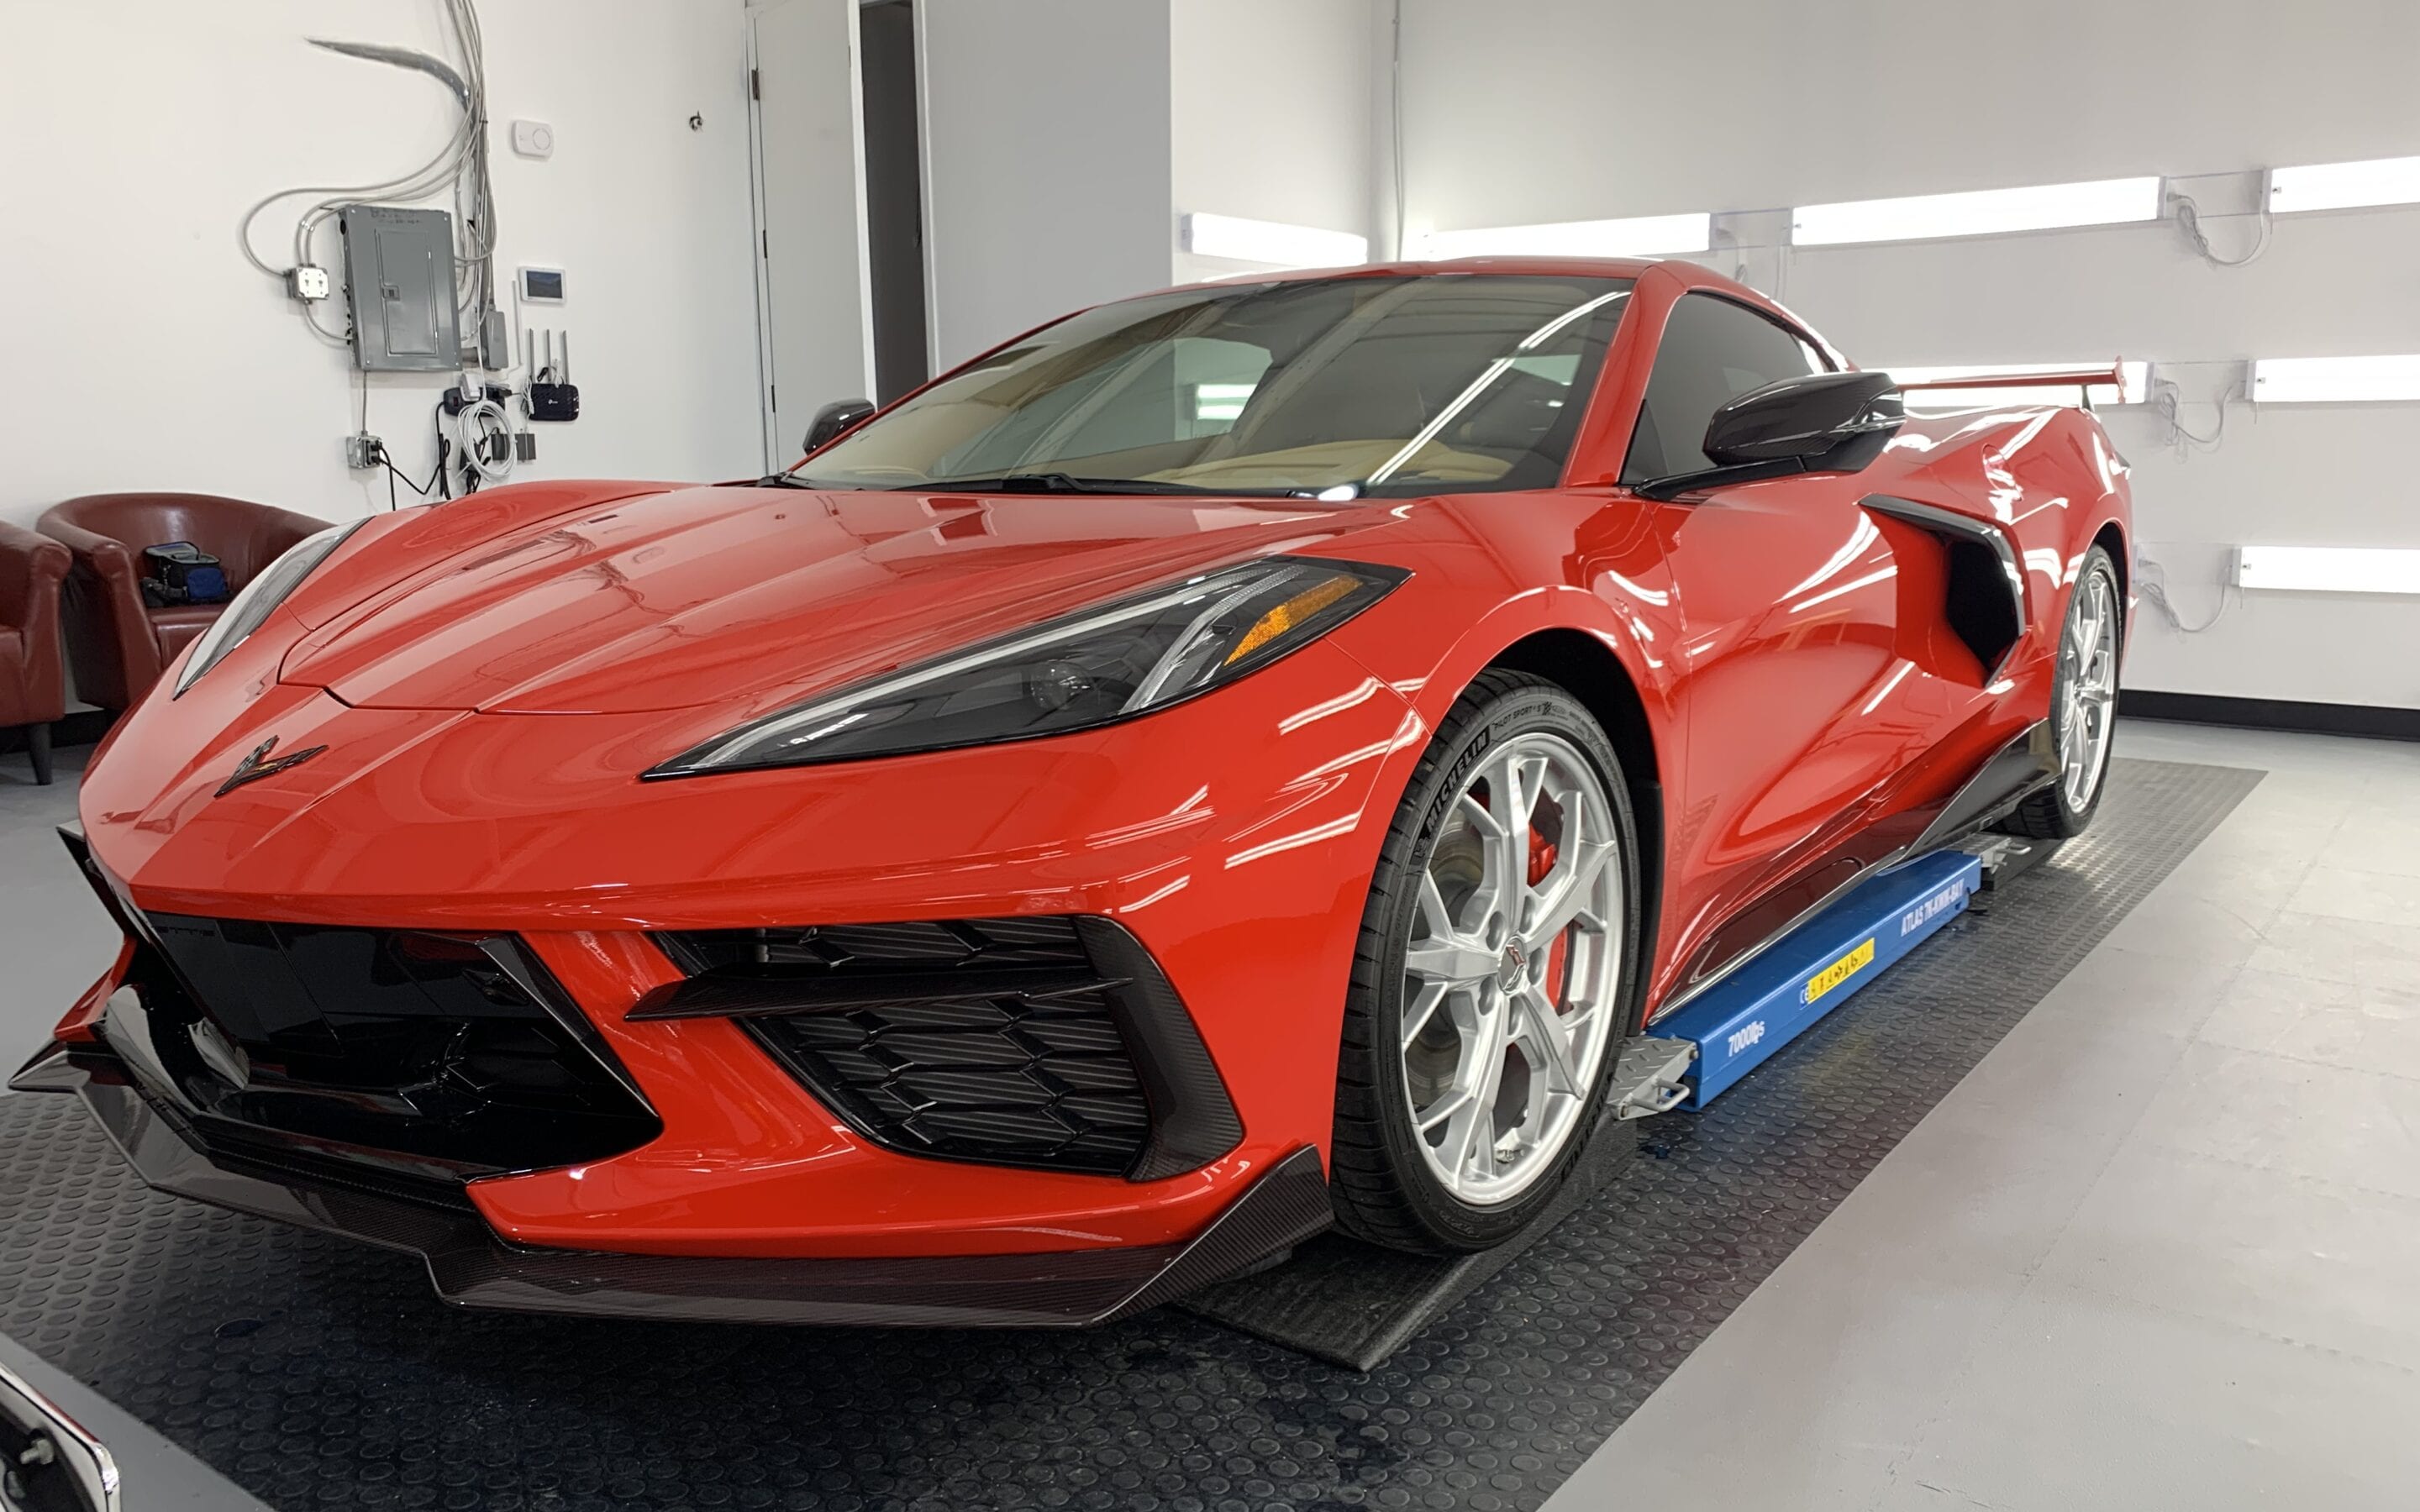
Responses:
[1838,971]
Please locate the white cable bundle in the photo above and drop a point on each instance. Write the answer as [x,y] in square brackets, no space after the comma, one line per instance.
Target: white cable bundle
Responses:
[461,162]
[475,426]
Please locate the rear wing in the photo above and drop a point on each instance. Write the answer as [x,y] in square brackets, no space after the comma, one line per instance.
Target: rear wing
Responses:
[2120,382]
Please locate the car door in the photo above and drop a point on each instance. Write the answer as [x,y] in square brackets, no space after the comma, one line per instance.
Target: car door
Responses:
[1794,700]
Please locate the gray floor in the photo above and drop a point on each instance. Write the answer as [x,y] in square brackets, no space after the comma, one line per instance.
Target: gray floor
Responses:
[2162,1248]
[55,940]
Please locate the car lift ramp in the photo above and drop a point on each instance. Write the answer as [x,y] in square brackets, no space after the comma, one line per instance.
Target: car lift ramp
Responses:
[1354,1304]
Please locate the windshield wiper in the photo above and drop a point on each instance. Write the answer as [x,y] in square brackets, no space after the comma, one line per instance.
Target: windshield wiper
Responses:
[1063,483]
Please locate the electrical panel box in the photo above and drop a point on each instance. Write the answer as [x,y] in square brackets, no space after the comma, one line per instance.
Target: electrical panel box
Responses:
[399,272]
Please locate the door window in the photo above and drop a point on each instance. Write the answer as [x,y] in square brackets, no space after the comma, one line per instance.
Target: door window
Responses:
[1713,351]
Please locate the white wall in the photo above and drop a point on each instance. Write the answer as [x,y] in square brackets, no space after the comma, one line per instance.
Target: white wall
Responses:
[146,352]
[1047,161]
[1064,138]
[1270,109]
[1524,111]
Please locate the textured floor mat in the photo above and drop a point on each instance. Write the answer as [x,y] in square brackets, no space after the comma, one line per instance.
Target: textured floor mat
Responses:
[319,1374]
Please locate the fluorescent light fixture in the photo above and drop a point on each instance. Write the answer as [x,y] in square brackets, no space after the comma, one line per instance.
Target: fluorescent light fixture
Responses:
[2336,186]
[1636,235]
[2335,379]
[1220,401]
[1977,213]
[1272,242]
[2329,569]
[2135,378]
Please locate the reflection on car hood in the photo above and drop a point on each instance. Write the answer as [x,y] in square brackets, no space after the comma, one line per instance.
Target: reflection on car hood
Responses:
[700,596]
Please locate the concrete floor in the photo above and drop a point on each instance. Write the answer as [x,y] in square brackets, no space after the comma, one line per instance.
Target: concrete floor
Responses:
[53,937]
[2161,1248]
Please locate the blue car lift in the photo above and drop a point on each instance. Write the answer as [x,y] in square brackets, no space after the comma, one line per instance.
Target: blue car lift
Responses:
[1354,1304]
[1697,1051]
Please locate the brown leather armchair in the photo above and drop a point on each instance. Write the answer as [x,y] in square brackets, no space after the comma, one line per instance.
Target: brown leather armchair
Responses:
[33,691]
[117,643]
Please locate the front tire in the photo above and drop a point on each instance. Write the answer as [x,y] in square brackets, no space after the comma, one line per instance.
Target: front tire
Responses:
[2083,705]
[1494,977]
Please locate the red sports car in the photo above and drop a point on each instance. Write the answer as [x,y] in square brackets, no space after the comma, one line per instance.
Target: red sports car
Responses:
[1228,761]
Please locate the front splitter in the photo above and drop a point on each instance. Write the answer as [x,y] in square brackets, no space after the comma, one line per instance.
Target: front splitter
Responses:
[471,1267]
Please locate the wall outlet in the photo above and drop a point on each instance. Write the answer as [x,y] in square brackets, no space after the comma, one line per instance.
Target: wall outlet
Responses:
[364,450]
[308,282]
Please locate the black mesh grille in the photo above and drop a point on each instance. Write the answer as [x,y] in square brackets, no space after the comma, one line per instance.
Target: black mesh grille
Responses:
[951,943]
[430,1053]
[993,1040]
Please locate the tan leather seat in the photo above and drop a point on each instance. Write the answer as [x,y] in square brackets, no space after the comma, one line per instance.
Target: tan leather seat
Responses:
[117,643]
[33,689]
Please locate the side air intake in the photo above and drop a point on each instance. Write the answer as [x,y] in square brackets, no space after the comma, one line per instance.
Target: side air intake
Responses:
[1048,1042]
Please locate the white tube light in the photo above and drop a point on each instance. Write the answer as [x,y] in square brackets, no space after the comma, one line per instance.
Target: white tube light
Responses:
[2335,379]
[1220,401]
[1272,242]
[2336,186]
[2329,569]
[1977,213]
[1636,236]
[2133,379]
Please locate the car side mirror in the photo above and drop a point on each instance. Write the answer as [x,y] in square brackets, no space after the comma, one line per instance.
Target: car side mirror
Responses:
[1829,421]
[1815,423]
[835,420]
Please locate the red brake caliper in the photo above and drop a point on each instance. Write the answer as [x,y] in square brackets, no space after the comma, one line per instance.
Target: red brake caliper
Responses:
[1542,860]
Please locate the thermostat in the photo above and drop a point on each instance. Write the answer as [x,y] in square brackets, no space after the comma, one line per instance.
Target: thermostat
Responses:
[534,139]
[541,285]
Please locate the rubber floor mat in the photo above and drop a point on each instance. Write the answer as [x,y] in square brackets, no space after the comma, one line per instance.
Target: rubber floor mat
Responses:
[317,1373]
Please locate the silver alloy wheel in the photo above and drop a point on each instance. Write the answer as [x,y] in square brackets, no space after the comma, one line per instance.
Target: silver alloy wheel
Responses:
[2089,658]
[1511,971]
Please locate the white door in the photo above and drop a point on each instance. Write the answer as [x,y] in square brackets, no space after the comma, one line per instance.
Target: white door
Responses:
[810,198]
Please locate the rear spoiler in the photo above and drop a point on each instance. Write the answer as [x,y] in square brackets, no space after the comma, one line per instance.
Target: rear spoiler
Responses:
[2081,378]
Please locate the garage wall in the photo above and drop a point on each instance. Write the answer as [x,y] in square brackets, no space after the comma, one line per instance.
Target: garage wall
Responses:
[146,352]
[1524,111]
[1270,106]
[1047,161]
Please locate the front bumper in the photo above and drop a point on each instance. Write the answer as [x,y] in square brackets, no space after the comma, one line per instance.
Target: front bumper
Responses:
[1230,837]
[471,1267]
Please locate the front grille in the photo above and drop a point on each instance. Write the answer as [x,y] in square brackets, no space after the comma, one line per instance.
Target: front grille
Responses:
[1042,1042]
[434,1055]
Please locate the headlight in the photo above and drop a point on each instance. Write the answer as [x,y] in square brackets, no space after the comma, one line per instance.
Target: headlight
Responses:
[263,593]
[1086,669]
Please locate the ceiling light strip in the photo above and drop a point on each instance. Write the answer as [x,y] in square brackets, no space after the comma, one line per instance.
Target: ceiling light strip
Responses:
[2329,569]
[1636,235]
[1272,242]
[2339,186]
[2336,380]
[1977,213]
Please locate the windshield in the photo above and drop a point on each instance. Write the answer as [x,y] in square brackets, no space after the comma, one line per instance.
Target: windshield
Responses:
[1391,385]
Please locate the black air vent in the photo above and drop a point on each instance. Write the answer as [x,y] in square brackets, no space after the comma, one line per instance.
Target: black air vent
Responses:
[435,1055]
[1048,1042]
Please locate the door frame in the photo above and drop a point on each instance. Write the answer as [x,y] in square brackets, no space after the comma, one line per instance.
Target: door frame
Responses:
[779,451]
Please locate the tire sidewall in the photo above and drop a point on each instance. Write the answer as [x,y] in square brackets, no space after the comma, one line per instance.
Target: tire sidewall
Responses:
[2096,561]
[1540,708]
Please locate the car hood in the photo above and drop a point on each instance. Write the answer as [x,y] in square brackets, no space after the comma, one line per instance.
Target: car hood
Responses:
[707,596]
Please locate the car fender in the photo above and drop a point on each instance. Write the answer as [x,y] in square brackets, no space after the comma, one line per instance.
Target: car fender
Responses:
[1431,660]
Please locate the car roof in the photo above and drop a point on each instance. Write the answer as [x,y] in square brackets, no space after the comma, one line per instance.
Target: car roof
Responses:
[1691,275]
[1546,266]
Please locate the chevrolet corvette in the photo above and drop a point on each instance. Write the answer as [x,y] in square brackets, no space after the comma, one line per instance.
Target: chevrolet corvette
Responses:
[1230,761]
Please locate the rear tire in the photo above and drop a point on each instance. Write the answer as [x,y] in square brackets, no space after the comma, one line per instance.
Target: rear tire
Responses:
[1456,1136]
[2083,705]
